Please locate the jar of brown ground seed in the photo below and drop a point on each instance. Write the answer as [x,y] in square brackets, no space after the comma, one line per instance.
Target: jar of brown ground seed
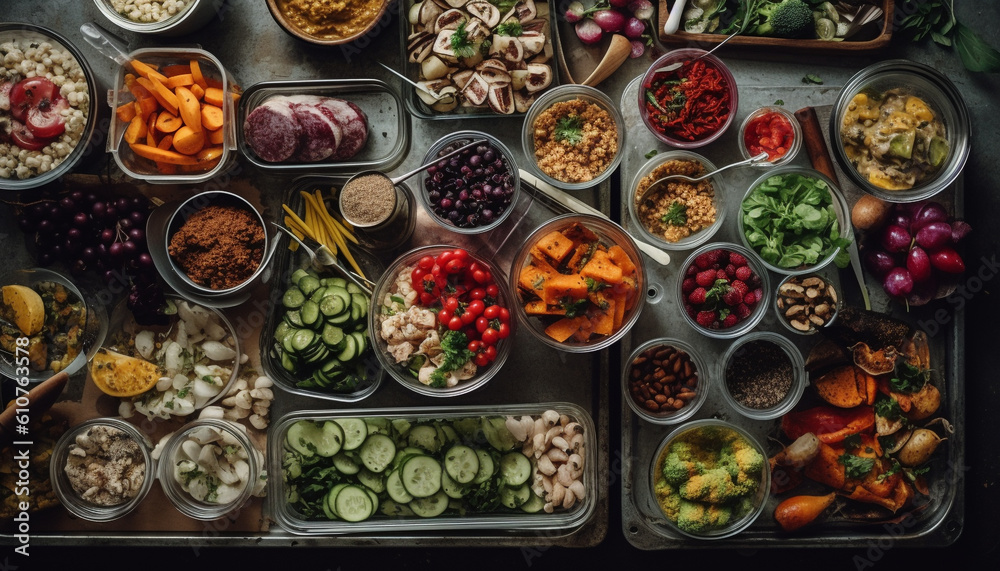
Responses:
[380,212]
[763,375]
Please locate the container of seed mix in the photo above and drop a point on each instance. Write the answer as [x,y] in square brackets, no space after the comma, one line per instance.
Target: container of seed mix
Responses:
[763,375]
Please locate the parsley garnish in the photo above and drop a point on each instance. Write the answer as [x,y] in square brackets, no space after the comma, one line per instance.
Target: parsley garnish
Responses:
[888,408]
[779,101]
[461,44]
[651,154]
[812,78]
[569,129]
[856,466]
[852,441]
[510,27]
[676,215]
[572,306]
[455,346]
[908,379]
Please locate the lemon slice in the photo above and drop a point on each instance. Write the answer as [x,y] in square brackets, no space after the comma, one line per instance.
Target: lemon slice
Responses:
[122,376]
[26,308]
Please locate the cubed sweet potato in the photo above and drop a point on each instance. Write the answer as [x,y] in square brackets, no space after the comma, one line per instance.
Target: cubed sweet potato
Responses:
[602,269]
[555,246]
[562,286]
[565,328]
[620,257]
[532,279]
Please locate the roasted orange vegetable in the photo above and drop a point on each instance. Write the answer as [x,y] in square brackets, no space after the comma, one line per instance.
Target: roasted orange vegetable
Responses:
[799,511]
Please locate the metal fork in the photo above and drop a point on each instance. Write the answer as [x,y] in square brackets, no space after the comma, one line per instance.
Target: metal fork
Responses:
[322,258]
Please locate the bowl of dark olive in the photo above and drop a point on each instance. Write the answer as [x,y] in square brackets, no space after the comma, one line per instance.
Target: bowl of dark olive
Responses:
[474,191]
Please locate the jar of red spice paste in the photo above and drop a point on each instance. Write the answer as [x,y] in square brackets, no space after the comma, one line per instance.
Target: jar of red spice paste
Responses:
[692,105]
[772,130]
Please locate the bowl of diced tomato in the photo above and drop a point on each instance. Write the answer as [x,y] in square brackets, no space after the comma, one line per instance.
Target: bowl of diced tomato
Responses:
[440,320]
[579,283]
[690,106]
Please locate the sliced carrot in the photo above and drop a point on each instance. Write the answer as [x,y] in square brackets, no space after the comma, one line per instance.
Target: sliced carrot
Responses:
[168,123]
[211,117]
[197,76]
[209,154]
[147,71]
[136,130]
[189,107]
[213,96]
[198,91]
[176,81]
[188,141]
[163,96]
[126,111]
[160,155]
[151,131]
[175,69]
[166,142]
[216,137]
[137,91]
[166,168]
[202,166]
[212,82]
[147,105]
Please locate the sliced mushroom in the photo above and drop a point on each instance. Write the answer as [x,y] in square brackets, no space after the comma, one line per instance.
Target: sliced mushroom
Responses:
[449,20]
[476,31]
[419,48]
[517,78]
[539,77]
[477,91]
[413,15]
[448,99]
[442,46]
[434,68]
[524,11]
[502,98]
[493,63]
[485,11]
[508,48]
[461,78]
[456,3]
[430,91]
[522,101]
[532,42]
[429,12]
[494,76]
[537,25]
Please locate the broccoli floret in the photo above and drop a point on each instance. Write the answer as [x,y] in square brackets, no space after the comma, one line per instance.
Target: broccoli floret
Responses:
[714,486]
[677,468]
[695,517]
[748,459]
[786,19]
[668,499]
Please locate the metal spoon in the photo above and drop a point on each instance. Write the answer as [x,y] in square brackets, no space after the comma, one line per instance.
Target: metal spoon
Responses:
[396,180]
[322,258]
[751,161]
[436,96]
[678,64]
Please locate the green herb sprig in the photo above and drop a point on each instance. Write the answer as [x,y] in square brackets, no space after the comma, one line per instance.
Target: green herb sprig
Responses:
[569,129]
[676,214]
[936,19]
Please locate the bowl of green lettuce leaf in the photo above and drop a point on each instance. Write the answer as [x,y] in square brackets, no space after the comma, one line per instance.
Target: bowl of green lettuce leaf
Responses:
[795,220]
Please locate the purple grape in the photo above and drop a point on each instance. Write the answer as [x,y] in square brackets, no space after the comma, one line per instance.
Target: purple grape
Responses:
[895,239]
[610,21]
[959,230]
[634,28]
[145,261]
[81,219]
[879,262]
[919,264]
[638,48]
[137,235]
[575,12]
[642,9]
[923,292]
[588,31]
[117,252]
[107,236]
[930,212]
[898,282]
[901,219]
[934,235]
[98,209]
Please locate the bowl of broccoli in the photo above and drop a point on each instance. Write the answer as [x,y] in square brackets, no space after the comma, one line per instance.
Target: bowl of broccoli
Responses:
[710,479]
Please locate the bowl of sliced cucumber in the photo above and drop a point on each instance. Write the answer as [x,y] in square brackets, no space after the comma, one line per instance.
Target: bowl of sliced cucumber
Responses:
[431,469]
[316,341]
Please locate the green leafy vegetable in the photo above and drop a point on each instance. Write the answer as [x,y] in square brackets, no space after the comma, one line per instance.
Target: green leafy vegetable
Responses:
[676,215]
[651,154]
[779,101]
[888,408]
[936,19]
[511,27]
[789,219]
[461,44]
[907,378]
[569,129]
[856,466]
[455,346]
[812,78]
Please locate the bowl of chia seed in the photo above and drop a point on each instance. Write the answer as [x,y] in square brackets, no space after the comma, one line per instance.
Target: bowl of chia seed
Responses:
[763,375]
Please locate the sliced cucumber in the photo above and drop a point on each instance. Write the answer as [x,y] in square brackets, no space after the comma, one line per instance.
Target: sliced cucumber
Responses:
[293,298]
[534,504]
[355,429]
[298,275]
[421,476]
[515,468]
[394,487]
[515,497]
[487,466]
[372,481]
[452,488]
[431,506]
[461,463]
[309,312]
[345,464]
[353,504]
[331,499]
[424,436]
[395,509]
[377,452]
[308,284]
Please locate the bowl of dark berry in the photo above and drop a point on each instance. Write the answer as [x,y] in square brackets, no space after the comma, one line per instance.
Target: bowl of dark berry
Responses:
[473,191]
[724,290]
[763,375]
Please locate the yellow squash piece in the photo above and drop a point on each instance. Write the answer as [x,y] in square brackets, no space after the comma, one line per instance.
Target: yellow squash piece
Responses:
[121,375]
[26,308]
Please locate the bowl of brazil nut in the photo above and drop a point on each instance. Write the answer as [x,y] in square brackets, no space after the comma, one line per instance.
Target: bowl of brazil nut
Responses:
[665,381]
[807,303]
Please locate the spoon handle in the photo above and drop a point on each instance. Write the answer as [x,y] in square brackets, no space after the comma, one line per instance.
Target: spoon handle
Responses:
[402,177]
[102,41]
[674,19]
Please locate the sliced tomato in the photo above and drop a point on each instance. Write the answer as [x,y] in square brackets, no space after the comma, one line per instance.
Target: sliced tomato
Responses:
[829,424]
[46,120]
[23,138]
[29,93]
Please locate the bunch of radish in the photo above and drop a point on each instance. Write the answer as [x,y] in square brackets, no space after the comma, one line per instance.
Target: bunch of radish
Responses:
[627,17]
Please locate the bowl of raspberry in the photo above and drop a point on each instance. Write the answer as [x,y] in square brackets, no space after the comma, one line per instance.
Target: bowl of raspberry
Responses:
[723,290]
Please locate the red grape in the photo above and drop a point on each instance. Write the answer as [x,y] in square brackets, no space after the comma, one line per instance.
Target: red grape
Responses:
[947,260]
[959,230]
[895,239]
[898,282]
[919,264]
[930,212]
[934,235]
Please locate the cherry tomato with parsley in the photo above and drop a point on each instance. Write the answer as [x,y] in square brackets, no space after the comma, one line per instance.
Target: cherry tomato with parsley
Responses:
[443,258]
[450,303]
[490,336]
[468,318]
[455,266]
[490,352]
[460,254]
[504,315]
[455,323]
[427,298]
[475,346]
[476,307]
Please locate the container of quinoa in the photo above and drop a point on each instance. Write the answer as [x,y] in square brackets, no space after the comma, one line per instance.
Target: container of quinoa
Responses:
[47,117]
[159,17]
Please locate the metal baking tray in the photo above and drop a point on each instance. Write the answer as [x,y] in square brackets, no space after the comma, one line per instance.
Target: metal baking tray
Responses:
[867,44]
[940,517]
